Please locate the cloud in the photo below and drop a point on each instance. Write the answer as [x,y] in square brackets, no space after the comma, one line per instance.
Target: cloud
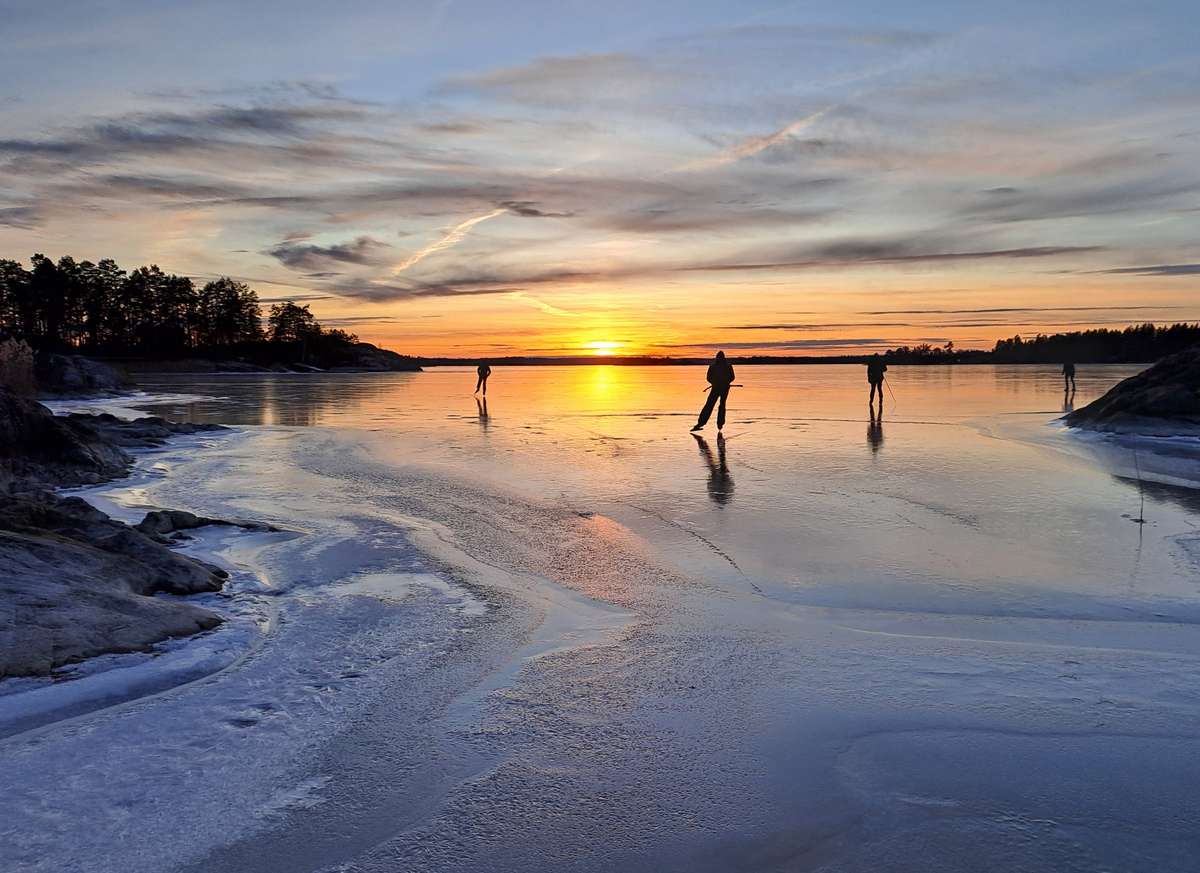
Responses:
[814,326]
[139,186]
[1158,270]
[305,89]
[829,256]
[792,344]
[1058,198]
[529,209]
[356,320]
[561,81]
[680,217]
[296,298]
[363,250]
[1016,309]
[170,132]
[24,217]
[866,253]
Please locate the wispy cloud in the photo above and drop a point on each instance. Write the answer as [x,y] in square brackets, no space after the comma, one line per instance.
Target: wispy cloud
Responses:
[1158,270]
[587,79]
[796,344]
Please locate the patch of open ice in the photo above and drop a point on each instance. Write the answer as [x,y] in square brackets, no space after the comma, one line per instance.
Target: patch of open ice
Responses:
[130,405]
[398,587]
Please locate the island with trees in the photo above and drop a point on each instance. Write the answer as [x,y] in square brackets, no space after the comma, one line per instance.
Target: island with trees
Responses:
[70,307]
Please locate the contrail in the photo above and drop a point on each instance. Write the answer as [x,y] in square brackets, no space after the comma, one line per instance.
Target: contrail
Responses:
[548,308]
[750,147]
[450,238]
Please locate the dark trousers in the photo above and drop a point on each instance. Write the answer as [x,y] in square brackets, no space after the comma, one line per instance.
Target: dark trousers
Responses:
[714,394]
[482,383]
[877,386]
[1069,381]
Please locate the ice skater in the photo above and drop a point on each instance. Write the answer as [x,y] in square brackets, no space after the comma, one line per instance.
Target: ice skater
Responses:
[1068,372]
[483,370]
[720,380]
[875,370]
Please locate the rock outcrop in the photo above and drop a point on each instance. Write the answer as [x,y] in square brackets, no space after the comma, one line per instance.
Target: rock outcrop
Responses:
[364,356]
[76,376]
[1163,398]
[75,583]
[76,449]
[162,522]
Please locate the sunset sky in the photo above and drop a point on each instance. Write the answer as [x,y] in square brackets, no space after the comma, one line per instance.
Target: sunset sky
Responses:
[470,178]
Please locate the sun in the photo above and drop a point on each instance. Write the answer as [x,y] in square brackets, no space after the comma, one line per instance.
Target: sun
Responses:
[603,347]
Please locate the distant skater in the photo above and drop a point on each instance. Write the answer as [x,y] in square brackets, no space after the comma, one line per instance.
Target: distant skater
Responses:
[720,378]
[484,371]
[1068,372]
[875,370]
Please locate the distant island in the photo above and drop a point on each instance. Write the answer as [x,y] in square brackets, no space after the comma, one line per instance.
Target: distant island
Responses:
[146,316]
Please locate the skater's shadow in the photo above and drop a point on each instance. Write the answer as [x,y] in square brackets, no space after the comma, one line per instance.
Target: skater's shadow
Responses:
[720,482]
[875,431]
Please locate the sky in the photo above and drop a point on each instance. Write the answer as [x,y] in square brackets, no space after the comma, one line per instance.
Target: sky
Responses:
[485,179]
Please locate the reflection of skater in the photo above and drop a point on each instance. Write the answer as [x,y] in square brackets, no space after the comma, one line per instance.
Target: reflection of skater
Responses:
[720,378]
[875,432]
[481,405]
[484,371]
[1068,372]
[720,483]
[875,370]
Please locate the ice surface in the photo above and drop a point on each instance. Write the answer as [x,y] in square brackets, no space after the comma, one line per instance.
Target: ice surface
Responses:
[561,633]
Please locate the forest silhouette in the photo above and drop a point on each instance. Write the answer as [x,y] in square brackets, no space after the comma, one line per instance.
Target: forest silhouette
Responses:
[100,309]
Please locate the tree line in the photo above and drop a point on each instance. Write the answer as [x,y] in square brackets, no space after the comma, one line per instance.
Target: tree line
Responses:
[99,308]
[1138,343]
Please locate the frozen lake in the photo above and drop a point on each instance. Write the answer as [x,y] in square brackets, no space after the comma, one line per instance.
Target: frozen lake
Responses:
[559,630]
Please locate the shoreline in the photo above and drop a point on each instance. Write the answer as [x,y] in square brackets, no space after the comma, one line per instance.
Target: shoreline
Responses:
[107,680]
[39,501]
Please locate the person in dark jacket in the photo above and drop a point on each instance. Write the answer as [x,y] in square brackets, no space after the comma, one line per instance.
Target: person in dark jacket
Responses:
[875,370]
[483,371]
[720,378]
[1068,372]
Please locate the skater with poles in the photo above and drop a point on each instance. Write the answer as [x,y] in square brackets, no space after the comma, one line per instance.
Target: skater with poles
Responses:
[875,370]
[720,380]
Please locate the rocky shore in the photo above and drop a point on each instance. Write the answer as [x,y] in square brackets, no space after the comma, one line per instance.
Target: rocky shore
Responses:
[1164,399]
[75,583]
